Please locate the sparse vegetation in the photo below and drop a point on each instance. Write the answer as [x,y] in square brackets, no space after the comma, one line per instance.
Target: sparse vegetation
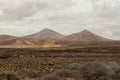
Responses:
[8,76]
[34,63]
[89,71]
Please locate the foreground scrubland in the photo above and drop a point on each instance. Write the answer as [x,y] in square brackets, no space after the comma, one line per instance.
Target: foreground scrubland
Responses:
[73,63]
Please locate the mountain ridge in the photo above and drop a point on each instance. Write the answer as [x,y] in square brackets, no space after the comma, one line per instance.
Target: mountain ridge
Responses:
[84,37]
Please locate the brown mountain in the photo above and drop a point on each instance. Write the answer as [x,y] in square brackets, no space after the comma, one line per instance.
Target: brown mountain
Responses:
[20,42]
[85,35]
[6,37]
[84,38]
[12,41]
[46,34]
[7,41]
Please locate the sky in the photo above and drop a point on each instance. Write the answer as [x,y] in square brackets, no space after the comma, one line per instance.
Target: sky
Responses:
[24,17]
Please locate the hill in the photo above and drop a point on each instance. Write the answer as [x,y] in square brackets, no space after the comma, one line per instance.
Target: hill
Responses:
[85,35]
[46,34]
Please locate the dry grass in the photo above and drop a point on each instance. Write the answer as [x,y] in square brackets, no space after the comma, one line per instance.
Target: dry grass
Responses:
[34,63]
[88,71]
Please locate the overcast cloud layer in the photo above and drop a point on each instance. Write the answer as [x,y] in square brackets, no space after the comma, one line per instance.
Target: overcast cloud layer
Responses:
[23,17]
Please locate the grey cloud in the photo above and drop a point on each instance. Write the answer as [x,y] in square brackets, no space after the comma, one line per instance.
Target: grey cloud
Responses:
[30,8]
[25,10]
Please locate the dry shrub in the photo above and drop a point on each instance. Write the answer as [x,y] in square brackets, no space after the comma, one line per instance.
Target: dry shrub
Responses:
[50,77]
[114,66]
[64,73]
[116,69]
[74,66]
[8,76]
[116,77]
[89,71]
[28,74]
[96,71]
[5,56]
[60,75]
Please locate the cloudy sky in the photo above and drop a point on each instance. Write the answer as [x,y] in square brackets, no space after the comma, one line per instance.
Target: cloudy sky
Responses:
[23,17]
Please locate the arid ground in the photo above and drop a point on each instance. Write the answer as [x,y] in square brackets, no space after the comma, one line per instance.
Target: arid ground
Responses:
[35,62]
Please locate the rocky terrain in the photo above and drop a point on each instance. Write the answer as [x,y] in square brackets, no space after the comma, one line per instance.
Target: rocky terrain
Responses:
[36,63]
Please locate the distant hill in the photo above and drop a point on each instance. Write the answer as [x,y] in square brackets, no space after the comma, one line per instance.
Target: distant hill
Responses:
[7,41]
[46,34]
[20,42]
[85,35]
[50,38]
[6,37]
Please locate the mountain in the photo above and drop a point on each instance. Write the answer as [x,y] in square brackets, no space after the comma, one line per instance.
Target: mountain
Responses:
[7,41]
[85,35]
[6,37]
[46,34]
[50,38]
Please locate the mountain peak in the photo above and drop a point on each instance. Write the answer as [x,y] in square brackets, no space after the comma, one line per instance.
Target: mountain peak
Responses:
[85,35]
[85,31]
[46,29]
[47,34]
